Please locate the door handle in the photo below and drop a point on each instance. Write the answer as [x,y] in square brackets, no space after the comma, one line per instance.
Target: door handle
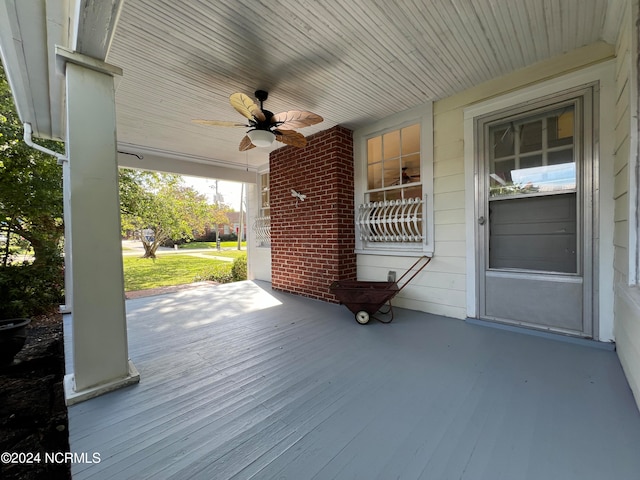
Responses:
[482,221]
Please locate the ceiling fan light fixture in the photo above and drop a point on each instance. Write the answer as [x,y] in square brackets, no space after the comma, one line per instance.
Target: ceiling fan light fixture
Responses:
[261,138]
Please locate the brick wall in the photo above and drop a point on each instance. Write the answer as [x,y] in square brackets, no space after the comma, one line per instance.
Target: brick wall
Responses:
[313,241]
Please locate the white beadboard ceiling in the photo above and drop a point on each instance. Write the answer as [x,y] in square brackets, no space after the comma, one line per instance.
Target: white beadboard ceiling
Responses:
[351,62]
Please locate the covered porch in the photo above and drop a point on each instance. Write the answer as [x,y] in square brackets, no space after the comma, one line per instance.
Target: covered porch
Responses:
[240,381]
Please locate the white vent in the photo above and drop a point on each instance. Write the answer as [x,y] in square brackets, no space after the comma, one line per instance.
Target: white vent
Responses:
[391,221]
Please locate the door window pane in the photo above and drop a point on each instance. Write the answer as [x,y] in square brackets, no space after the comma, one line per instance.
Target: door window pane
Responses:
[531,137]
[500,177]
[532,194]
[534,233]
[531,161]
[560,129]
[541,159]
[503,142]
[562,156]
[548,178]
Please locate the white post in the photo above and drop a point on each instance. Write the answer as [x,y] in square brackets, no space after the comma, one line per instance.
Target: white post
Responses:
[100,350]
[68,267]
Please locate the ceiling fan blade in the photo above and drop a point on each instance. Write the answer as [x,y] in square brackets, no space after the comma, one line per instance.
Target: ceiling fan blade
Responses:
[295,119]
[245,144]
[289,137]
[219,123]
[245,106]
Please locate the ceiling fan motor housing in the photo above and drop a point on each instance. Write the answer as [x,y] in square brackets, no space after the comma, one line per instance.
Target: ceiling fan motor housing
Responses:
[261,95]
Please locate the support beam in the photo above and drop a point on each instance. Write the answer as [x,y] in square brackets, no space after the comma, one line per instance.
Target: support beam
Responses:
[100,350]
[141,159]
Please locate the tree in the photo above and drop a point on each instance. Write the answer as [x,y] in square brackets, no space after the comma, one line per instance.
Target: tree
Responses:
[30,187]
[30,214]
[159,207]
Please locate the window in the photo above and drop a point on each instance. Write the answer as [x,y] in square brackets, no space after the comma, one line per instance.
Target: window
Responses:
[393,165]
[393,195]
[533,195]
[264,195]
[533,156]
[262,224]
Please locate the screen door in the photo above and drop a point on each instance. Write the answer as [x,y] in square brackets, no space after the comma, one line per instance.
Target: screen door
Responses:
[535,223]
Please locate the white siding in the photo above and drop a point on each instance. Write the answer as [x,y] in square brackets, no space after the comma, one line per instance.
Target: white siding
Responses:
[441,288]
[627,294]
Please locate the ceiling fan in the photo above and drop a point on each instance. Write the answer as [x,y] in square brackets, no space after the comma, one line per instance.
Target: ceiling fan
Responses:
[406,178]
[265,126]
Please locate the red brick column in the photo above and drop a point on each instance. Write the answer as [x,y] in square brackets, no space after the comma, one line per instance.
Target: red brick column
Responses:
[313,241]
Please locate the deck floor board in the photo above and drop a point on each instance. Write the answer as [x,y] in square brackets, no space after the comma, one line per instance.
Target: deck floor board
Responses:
[242,382]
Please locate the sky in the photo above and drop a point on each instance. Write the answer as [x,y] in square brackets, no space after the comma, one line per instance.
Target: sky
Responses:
[230,190]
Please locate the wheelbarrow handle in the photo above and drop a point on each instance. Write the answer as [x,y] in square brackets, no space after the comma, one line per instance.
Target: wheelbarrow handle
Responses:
[414,272]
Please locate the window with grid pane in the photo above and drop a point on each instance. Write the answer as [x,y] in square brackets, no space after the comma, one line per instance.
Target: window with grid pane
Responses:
[394,166]
[534,155]
[262,223]
[394,184]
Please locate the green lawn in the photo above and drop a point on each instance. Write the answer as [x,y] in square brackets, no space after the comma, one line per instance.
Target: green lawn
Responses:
[170,269]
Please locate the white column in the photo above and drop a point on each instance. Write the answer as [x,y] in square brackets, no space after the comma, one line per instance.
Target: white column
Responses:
[100,350]
[68,267]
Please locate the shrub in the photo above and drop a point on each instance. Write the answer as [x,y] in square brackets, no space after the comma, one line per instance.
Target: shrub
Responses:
[239,268]
[229,237]
[28,290]
[216,273]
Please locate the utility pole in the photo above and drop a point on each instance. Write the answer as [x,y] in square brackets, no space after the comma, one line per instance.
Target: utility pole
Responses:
[215,202]
[241,229]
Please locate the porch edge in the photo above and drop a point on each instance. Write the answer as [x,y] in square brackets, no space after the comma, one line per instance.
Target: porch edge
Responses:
[585,342]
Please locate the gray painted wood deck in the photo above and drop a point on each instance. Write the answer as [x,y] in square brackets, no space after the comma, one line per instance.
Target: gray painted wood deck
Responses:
[241,382]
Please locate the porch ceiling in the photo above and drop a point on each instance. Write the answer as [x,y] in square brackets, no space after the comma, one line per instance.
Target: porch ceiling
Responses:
[351,62]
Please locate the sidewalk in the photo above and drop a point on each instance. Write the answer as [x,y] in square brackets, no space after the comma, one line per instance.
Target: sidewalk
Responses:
[134,248]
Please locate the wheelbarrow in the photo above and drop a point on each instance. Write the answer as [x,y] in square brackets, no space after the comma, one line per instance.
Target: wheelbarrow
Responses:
[366,299]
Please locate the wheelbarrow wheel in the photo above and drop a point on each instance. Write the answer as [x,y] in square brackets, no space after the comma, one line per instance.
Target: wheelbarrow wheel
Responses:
[362,317]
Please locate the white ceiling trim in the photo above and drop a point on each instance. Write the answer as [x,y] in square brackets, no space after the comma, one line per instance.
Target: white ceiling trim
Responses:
[143,158]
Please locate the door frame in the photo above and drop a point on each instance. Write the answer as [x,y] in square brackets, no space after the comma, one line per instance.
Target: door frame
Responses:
[583,99]
[602,272]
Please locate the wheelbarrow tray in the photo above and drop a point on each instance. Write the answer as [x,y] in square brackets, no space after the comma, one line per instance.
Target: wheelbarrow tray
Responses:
[358,295]
[364,299]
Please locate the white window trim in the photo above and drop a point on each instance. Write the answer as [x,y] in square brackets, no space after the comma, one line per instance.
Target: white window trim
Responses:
[260,241]
[422,114]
